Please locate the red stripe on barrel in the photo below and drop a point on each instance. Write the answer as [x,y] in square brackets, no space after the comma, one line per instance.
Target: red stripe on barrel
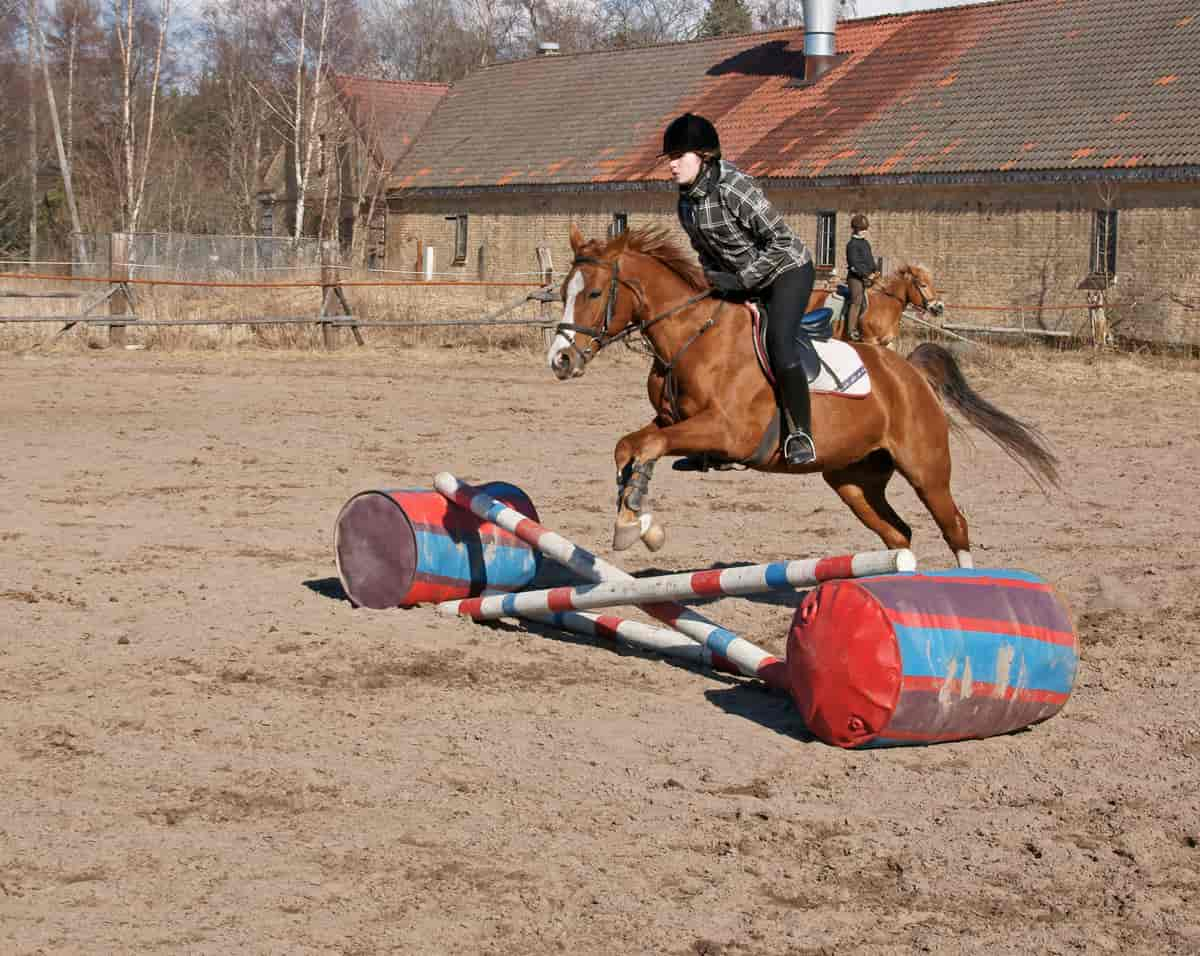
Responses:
[954,686]
[1016,628]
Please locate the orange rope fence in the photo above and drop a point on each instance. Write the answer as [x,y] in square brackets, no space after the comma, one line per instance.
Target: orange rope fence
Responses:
[311,284]
[1015,308]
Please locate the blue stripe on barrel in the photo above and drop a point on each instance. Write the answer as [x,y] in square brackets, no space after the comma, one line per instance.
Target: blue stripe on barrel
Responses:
[921,658]
[412,546]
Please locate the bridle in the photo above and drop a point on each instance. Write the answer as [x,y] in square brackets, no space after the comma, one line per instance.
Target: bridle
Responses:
[602,338]
[915,283]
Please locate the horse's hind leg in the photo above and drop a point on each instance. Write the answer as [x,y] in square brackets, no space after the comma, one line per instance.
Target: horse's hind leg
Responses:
[932,485]
[863,487]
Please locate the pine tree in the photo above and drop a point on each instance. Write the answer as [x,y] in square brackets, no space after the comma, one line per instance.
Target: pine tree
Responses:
[726,16]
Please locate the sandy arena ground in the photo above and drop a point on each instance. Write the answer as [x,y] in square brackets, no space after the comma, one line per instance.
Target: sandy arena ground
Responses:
[206,749]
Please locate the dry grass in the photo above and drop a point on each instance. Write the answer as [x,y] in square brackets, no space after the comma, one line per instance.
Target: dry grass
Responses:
[168,303]
[416,304]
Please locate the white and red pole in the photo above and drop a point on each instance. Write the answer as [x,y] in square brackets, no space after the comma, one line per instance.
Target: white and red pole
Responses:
[724,649]
[616,587]
[753,579]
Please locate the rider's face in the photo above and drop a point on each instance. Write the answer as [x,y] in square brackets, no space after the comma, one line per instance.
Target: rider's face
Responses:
[686,168]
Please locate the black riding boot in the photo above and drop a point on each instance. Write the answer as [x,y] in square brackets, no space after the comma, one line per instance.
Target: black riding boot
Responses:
[798,447]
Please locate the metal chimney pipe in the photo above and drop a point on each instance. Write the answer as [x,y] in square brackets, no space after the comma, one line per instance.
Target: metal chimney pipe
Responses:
[820,28]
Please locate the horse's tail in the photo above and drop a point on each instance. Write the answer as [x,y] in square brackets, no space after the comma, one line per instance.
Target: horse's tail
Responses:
[1021,442]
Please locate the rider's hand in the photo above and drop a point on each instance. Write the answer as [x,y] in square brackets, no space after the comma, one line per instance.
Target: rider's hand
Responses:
[724,281]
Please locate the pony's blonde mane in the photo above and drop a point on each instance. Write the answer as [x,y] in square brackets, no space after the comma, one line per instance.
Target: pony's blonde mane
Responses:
[915,268]
[658,243]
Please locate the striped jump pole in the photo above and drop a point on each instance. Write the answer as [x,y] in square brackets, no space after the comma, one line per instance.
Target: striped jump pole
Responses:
[609,627]
[724,649]
[755,579]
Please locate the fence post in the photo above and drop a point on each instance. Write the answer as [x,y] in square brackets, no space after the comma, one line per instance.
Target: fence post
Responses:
[546,271]
[119,302]
[328,282]
[427,264]
[1098,317]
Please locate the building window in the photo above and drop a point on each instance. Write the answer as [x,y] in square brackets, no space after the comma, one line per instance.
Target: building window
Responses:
[620,222]
[268,220]
[1104,242]
[826,239]
[460,238]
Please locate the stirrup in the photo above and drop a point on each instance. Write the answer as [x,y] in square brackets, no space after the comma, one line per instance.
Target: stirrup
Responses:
[799,449]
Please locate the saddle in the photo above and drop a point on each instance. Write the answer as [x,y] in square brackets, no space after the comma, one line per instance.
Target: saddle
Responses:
[814,326]
[832,367]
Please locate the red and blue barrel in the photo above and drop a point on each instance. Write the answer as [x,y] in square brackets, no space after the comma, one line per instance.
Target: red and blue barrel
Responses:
[904,659]
[412,546]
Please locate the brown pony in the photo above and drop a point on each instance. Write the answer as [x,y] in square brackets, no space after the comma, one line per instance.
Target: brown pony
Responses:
[711,397]
[911,285]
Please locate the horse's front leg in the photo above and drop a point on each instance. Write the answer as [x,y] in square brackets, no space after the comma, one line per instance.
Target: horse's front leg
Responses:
[635,457]
[634,471]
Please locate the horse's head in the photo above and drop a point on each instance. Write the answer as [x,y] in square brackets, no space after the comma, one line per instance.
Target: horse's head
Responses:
[599,304]
[919,291]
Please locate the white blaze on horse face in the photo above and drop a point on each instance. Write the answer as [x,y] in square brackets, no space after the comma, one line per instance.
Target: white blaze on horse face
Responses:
[566,337]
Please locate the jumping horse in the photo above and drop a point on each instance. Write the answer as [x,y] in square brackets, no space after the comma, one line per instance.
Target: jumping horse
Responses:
[887,298]
[711,396]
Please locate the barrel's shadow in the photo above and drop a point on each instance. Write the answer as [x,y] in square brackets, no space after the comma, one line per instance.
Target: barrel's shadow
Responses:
[328,588]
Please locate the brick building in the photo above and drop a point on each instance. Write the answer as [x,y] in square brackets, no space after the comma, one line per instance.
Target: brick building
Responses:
[1022,149]
[364,126]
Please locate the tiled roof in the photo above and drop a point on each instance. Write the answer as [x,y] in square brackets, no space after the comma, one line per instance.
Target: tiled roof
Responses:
[390,113]
[1010,86]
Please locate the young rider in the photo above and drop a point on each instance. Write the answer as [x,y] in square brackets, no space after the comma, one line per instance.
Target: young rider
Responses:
[860,273]
[746,248]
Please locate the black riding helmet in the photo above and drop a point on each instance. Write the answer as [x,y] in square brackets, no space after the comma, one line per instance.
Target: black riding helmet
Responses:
[690,133]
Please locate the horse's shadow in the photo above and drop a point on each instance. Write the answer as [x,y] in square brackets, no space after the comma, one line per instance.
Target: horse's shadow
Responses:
[738,696]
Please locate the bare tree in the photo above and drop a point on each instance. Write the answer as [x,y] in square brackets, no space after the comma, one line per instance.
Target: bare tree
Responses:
[63,161]
[137,137]
[638,22]
[240,42]
[34,162]
[776,14]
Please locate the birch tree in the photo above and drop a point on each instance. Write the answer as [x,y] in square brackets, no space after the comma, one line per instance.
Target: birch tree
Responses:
[137,137]
[64,161]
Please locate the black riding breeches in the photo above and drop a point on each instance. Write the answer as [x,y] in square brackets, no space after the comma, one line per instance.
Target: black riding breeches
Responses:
[787,300]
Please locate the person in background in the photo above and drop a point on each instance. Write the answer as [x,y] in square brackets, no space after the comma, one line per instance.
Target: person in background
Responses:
[747,249]
[860,274]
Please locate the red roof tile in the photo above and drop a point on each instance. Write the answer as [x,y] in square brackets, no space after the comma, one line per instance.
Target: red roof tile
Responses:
[389,113]
[1015,85]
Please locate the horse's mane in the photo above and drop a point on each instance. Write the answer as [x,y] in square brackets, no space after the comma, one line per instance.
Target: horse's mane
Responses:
[658,243]
[915,268]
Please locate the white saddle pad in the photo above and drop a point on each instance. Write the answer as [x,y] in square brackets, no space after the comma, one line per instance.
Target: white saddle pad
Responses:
[842,371]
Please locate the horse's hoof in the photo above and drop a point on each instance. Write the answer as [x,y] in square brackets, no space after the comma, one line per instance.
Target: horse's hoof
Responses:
[654,537]
[625,536]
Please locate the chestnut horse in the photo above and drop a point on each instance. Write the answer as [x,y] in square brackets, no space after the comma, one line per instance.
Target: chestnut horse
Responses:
[911,285]
[710,395]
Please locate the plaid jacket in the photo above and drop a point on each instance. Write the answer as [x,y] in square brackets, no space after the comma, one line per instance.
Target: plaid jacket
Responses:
[734,228]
